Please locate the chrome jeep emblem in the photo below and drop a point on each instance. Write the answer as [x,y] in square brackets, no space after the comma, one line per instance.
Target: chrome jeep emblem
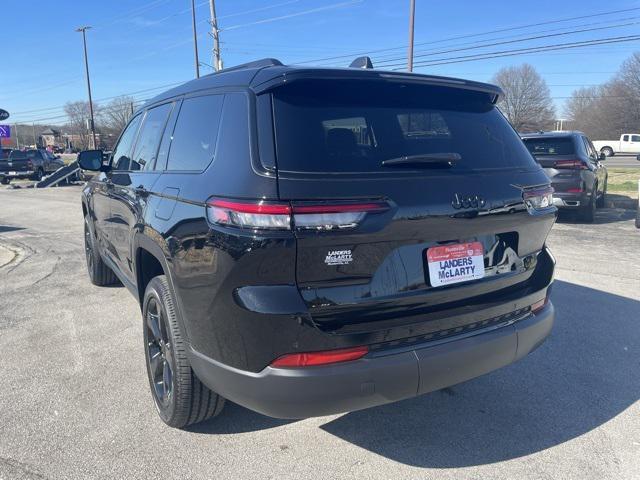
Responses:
[467,201]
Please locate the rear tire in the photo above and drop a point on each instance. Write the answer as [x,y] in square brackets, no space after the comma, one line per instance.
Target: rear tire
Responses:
[99,273]
[5,181]
[38,175]
[601,202]
[180,398]
[588,212]
[608,151]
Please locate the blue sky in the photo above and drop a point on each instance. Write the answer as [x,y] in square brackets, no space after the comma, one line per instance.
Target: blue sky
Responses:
[139,47]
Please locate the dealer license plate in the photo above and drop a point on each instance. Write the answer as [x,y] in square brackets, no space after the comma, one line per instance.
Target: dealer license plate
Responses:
[12,173]
[456,263]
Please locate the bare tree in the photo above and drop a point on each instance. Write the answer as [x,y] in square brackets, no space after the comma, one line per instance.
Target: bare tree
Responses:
[610,109]
[78,124]
[117,113]
[527,101]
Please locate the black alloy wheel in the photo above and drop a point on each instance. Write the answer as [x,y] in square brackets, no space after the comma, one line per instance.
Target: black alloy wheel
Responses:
[159,353]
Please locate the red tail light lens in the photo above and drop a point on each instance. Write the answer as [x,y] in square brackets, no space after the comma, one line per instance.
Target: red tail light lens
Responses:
[539,305]
[319,358]
[283,216]
[570,164]
[538,200]
[574,190]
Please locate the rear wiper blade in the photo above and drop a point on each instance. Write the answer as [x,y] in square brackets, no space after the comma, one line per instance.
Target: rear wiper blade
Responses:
[425,158]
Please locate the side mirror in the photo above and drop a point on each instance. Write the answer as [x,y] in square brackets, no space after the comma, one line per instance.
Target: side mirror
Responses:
[91,160]
[602,157]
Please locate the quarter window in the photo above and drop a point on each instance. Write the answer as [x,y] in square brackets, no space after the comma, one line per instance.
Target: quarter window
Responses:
[194,138]
[625,138]
[121,155]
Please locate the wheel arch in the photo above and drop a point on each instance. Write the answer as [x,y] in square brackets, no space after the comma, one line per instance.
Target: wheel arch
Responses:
[149,261]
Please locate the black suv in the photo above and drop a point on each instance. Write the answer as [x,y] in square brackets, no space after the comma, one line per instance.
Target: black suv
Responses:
[307,241]
[574,167]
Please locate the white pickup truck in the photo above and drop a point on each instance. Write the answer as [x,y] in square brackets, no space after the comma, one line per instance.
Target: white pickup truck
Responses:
[628,143]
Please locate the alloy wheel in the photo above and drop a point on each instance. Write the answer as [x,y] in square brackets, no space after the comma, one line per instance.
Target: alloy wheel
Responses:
[159,354]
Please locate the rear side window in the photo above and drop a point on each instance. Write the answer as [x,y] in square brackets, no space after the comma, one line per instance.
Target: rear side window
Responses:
[625,138]
[550,146]
[196,132]
[146,149]
[353,126]
[120,159]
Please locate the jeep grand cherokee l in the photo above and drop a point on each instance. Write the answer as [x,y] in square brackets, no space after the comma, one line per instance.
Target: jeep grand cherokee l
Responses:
[307,241]
[578,177]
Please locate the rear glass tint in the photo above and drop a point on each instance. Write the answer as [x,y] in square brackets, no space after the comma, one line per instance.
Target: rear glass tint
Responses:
[348,127]
[550,146]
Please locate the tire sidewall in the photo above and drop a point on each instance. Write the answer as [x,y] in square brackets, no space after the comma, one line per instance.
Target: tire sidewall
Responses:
[155,290]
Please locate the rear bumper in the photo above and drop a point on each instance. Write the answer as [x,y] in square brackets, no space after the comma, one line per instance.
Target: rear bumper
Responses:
[378,378]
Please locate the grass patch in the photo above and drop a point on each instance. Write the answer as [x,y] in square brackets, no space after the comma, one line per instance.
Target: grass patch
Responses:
[623,180]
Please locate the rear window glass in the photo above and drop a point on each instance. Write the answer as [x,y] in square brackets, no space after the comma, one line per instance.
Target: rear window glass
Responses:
[196,132]
[550,146]
[350,127]
[17,154]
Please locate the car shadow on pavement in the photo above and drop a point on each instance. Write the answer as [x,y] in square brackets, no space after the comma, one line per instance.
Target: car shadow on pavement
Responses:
[603,216]
[584,375]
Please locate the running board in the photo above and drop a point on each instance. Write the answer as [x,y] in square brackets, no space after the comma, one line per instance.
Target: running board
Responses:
[61,174]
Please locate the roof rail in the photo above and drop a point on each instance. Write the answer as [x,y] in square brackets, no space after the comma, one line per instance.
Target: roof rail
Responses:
[264,62]
[361,62]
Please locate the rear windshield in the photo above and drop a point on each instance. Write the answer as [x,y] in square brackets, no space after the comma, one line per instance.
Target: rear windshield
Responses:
[550,146]
[347,127]
[19,155]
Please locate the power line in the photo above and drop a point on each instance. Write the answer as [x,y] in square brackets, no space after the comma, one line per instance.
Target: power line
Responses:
[472,35]
[522,51]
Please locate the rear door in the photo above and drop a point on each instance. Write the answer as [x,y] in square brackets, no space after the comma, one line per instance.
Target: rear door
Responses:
[367,266]
[133,184]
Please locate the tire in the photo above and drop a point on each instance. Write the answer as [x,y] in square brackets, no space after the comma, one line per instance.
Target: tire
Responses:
[99,273]
[5,181]
[588,212]
[39,174]
[180,398]
[608,151]
[601,202]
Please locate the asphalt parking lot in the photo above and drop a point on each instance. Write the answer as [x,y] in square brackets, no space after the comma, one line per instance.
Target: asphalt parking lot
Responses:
[75,403]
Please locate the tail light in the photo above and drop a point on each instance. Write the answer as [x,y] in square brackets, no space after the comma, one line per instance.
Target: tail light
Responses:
[539,305]
[574,190]
[286,216]
[570,165]
[538,200]
[320,358]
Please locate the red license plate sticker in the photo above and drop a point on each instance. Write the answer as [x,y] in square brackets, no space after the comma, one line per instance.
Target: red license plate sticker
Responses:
[455,263]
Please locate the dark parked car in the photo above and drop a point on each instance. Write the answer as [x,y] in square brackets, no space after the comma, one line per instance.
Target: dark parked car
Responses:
[575,169]
[33,164]
[307,241]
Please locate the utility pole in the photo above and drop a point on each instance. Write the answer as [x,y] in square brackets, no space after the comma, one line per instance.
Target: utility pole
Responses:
[215,33]
[412,11]
[195,38]
[86,67]
[17,137]
[35,144]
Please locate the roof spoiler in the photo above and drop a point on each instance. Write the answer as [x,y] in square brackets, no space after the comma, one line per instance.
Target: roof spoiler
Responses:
[361,62]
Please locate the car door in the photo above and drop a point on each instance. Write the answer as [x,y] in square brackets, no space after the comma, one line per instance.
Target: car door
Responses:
[102,190]
[594,162]
[601,171]
[133,186]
